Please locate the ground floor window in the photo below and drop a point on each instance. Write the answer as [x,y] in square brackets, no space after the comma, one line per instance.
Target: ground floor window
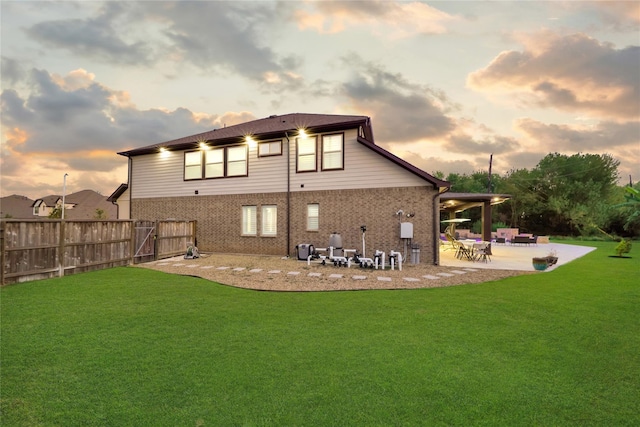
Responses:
[269,220]
[313,217]
[249,220]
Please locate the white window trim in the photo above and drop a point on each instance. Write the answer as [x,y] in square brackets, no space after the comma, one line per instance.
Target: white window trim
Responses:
[269,222]
[310,207]
[249,220]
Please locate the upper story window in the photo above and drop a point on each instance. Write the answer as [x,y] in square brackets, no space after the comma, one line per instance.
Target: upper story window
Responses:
[216,163]
[332,152]
[193,165]
[306,154]
[270,148]
[237,160]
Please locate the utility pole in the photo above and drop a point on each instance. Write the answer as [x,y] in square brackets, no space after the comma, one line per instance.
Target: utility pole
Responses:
[490,164]
[64,192]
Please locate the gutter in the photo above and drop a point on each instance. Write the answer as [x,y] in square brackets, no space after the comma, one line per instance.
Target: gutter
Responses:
[286,135]
[436,225]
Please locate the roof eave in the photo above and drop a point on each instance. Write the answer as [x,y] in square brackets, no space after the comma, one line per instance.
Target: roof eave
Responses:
[193,143]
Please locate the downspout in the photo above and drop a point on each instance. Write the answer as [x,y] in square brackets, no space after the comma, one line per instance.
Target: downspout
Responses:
[436,228]
[288,195]
[117,209]
[129,175]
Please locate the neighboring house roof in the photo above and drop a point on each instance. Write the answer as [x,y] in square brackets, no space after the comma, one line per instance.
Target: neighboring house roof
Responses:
[116,194]
[85,204]
[50,200]
[272,126]
[16,206]
[277,126]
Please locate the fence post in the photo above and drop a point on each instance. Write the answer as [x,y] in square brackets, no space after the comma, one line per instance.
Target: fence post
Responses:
[2,253]
[61,249]
[132,244]
[155,242]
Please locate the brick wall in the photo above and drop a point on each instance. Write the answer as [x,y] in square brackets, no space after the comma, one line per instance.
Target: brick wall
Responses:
[342,211]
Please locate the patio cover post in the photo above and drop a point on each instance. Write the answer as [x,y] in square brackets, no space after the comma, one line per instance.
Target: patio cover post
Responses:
[486,221]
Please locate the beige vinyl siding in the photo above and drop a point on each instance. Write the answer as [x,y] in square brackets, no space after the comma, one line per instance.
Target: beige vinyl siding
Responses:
[155,175]
[363,168]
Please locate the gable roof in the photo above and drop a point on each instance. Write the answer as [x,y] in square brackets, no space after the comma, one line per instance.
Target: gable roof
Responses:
[49,200]
[269,127]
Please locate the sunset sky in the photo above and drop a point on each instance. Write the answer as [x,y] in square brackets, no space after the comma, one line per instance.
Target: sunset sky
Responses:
[446,84]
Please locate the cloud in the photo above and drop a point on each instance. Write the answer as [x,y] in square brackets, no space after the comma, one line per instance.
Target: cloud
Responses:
[404,111]
[561,137]
[100,37]
[230,38]
[73,122]
[461,142]
[75,112]
[395,19]
[571,73]
[12,71]
[619,15]
[226,38]
[433,164]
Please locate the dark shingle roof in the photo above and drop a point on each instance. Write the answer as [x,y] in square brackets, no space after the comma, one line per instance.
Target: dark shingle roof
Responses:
[16,206]
[271,126]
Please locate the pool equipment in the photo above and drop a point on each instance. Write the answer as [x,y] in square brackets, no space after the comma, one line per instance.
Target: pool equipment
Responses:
[395,257]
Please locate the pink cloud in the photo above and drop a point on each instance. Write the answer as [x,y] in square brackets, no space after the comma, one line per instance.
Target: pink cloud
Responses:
[569,73]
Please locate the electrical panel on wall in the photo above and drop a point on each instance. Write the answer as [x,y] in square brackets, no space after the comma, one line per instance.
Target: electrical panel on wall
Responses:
[406,230]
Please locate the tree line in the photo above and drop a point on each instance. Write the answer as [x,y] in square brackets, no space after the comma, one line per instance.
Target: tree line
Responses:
[575,195]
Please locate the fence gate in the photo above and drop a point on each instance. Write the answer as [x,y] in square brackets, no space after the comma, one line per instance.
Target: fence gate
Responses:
[145,242]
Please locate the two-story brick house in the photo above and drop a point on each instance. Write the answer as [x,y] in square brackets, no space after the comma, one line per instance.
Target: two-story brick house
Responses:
[264,186]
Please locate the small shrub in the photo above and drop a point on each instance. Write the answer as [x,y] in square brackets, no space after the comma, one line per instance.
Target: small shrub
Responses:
[624,247]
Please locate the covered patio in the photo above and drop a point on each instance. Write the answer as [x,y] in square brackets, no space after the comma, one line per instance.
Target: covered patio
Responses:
[453,203]
[515,257]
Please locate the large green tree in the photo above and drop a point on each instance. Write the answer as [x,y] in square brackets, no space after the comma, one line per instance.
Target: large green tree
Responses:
[575,192]
[563,194]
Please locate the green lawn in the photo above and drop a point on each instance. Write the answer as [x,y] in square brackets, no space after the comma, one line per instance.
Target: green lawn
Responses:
[130,346]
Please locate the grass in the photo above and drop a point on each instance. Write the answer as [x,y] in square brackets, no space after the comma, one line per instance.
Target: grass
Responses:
[136,347]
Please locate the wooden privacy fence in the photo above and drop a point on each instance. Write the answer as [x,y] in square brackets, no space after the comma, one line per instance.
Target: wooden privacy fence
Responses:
[39,249]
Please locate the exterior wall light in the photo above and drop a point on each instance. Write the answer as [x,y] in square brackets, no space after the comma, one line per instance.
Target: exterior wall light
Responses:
[250,141]
[203,145]
[302,133]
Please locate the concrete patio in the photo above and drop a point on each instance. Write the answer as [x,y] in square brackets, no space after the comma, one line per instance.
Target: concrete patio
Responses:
[516,257]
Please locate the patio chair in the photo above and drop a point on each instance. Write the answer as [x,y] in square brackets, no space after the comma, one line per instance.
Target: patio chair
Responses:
[450,239]
[483,253]
[462,252]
